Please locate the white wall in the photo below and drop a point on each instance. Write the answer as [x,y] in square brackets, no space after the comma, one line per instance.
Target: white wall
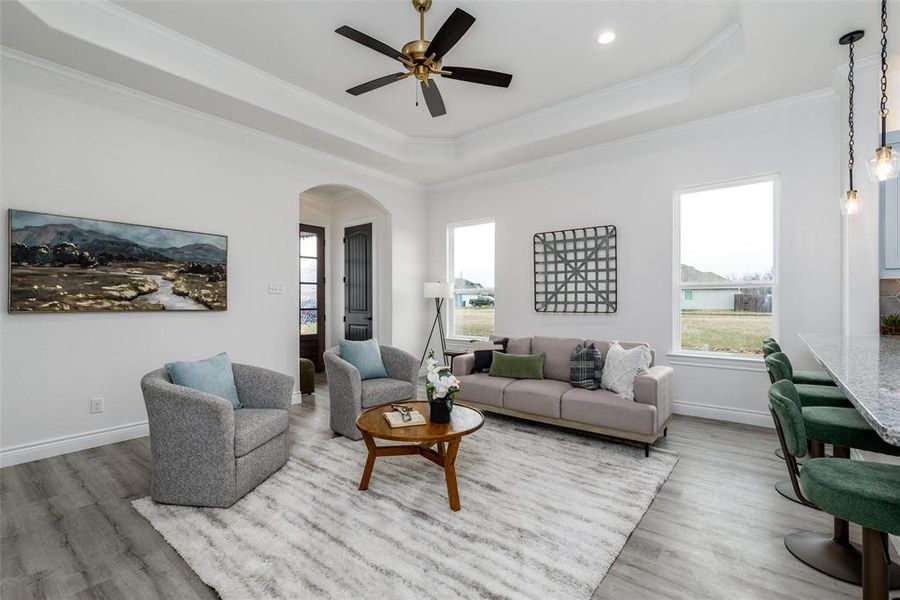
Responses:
[73,145]
[630,184]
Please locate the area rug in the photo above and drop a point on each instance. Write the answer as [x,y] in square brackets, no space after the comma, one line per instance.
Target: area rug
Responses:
[544,514]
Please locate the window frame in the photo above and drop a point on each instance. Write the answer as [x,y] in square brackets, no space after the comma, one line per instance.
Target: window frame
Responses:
[450,312]
[678,287]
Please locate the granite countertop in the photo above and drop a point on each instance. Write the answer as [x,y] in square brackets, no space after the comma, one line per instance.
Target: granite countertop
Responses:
[867,368]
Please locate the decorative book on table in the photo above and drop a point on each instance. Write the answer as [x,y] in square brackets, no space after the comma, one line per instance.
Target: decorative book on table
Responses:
[395,419]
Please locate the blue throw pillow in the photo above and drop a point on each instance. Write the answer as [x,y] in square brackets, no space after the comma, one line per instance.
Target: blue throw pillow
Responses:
[213,376]
[365,356]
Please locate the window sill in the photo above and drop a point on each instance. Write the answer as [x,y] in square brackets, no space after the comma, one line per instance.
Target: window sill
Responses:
[717,361]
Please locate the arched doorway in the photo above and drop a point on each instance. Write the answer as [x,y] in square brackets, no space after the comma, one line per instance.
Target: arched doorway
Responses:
[345,268]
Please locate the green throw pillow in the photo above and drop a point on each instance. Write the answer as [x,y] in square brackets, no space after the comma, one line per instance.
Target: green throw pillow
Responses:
[517,366]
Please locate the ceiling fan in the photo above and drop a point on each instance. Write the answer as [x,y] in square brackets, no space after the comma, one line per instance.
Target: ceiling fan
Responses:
[422,58]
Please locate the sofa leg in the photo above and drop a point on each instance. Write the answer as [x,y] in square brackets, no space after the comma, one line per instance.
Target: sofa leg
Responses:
[646,449]
[665,431]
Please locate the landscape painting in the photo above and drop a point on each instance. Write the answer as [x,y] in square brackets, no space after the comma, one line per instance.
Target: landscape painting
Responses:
[69,264]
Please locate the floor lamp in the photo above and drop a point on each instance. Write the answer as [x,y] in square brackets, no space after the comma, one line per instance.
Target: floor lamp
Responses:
[439,291]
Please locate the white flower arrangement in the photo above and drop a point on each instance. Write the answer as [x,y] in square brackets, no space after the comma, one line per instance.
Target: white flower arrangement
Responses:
[440,383]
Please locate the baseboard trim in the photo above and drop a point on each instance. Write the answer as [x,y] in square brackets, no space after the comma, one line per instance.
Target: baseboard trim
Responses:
[721,413]
[296,397]
[24,453]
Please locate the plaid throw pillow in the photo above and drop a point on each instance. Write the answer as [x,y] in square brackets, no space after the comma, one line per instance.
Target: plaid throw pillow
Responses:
[586,367]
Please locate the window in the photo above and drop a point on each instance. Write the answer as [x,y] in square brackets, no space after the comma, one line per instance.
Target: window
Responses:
[471,269]
[725,268]
[312,279]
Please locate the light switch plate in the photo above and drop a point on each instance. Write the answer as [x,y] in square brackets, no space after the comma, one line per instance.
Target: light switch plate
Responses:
[276,289]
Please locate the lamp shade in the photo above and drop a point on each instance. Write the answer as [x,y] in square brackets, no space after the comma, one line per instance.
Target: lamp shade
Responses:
[437,289]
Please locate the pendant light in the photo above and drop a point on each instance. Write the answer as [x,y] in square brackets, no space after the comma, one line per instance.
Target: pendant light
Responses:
[884,165]
[850,200]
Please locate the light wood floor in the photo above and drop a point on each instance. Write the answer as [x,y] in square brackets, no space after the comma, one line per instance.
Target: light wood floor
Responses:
[715,530]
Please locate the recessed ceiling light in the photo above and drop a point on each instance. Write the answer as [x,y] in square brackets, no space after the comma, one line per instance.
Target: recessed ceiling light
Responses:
[607,37]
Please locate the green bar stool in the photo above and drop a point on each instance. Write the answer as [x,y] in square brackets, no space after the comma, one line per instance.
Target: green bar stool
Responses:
[779,367]
[798,377]
[844,428]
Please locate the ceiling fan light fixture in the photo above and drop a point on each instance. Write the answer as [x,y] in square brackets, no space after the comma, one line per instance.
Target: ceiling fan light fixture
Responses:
[423,58]
[607,37]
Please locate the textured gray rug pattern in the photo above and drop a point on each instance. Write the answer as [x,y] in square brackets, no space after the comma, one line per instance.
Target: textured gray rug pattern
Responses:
[544,514]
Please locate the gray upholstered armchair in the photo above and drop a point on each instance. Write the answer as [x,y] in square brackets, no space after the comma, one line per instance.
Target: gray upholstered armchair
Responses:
[349,394]
[204,452]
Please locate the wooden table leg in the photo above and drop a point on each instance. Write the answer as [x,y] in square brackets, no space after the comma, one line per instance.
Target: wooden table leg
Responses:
[370,461]
[450,473]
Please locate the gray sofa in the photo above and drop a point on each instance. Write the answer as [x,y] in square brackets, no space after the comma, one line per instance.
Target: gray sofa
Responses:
[204,452]
[553,400]
[349,394]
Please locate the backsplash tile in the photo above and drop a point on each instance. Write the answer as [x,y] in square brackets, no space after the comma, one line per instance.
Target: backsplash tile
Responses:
[889,297]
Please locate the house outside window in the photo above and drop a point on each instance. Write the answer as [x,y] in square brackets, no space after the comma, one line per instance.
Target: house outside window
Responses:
[725,267]
[471,267]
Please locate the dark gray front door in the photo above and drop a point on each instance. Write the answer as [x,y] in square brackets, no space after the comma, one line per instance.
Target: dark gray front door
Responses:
[358,282]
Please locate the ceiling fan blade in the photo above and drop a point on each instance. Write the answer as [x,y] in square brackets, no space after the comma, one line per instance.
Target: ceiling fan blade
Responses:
[456,25]
[370,42]
[482,76]
[433,98]
[376,83]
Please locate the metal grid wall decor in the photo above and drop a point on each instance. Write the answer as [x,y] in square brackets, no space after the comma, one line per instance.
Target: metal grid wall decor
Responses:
[575,270]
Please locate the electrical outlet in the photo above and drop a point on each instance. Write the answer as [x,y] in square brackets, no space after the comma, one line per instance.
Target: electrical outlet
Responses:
[96,405]
[276,289]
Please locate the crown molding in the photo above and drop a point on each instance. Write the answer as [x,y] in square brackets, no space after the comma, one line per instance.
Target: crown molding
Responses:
[602,97]
[10,57]
[656,90]
[121,32]
[125,34]
[190,44]
[568,158]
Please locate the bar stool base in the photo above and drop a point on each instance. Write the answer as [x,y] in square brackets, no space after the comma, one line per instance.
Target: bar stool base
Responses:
[787,490]
[780,454]
[822,553]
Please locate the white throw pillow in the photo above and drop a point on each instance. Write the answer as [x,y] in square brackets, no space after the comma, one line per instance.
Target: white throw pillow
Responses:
[621,367]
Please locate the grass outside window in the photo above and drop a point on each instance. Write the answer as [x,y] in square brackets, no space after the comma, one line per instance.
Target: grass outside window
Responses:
[474,322]
[725,331]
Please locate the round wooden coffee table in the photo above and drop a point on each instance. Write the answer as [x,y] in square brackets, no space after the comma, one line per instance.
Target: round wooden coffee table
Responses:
[421,438]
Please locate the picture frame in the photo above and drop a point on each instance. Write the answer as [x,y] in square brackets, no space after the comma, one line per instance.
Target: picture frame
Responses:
[60,263]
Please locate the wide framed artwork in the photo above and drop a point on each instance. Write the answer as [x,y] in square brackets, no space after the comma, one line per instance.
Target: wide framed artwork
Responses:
[72,264]
[575,270]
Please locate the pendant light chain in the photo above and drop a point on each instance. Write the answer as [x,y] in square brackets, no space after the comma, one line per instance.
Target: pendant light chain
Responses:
[849,201]
[884,108]
[852,88]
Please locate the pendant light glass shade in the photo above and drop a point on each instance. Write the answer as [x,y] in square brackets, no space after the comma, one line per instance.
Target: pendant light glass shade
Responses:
[884,165]
[850,204]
